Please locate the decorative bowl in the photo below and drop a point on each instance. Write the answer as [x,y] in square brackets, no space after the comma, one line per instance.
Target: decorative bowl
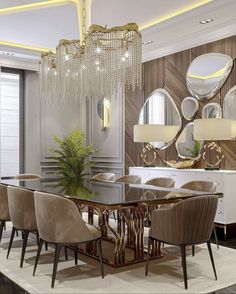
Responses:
[180,164]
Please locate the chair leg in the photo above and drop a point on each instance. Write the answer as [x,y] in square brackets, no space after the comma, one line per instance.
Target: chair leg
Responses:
[148,255]
[11,240]
[37,238]
[101,256]
[2,225]
[26,234]
[183,255]
[56,258]
[193,250]
[66,254]
[211,257]
[38,255]
[5,227]
[17,235]
[46,246]
[76,255]
[215,236]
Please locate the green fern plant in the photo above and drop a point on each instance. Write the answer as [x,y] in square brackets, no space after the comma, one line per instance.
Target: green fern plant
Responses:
[72,155]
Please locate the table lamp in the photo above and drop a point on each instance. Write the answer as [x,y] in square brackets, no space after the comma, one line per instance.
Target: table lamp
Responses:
[213,129]
[149,133]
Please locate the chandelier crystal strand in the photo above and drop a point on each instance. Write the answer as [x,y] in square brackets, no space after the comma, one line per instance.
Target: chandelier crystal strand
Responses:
[113,59]
[69,55]
[48,77]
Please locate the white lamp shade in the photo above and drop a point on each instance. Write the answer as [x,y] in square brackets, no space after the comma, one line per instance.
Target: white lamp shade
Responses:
[233,128]
[212,129]
[155,133]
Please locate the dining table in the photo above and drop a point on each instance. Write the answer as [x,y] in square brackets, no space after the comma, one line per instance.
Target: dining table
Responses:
[122,211]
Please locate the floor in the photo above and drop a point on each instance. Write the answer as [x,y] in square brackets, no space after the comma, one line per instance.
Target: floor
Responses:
[9,287]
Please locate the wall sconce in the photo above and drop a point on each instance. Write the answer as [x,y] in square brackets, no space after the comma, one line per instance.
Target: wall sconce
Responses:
[103,109]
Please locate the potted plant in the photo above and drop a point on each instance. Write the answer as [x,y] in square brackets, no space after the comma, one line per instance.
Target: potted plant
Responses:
[72,156]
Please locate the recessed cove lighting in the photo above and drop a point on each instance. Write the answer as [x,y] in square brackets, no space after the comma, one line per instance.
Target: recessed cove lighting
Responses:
[206,21]
[147,42]
[6,53]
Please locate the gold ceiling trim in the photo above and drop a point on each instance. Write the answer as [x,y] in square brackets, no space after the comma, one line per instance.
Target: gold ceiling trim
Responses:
[53,3]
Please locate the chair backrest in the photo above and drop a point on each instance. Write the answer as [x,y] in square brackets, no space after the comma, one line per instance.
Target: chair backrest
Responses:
[129,179]
[22,209]
[162,182]
[206,186]
[4,208]
[27,177]
[188,222]
[104,177]
[59,219]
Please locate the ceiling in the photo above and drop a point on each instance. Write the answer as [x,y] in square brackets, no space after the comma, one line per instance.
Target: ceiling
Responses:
[173,31]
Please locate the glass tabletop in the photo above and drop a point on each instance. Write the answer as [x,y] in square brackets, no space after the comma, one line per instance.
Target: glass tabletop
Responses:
[108,193]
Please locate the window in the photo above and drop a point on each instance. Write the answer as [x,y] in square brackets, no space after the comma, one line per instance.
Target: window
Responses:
[11,102]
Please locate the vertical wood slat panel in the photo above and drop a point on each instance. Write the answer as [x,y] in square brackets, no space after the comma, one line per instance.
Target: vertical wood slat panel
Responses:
[169,72]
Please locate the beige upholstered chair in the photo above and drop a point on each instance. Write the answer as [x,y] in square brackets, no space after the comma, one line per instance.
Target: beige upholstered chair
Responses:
[205,186]
[27,177]
[60,222]
[188,222]
[129,179]
[161,182]
[4,208]
[104,177]
[22,213]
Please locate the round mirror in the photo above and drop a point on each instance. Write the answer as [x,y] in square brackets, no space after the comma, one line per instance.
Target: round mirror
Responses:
[207,73]
[186,146]
[189,107]
[212,110]
[160,109]
[229,104]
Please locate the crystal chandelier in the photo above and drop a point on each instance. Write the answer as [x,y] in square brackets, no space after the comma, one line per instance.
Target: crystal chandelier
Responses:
[109,60]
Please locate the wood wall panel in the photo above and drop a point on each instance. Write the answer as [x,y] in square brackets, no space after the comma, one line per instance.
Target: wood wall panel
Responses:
[169,72]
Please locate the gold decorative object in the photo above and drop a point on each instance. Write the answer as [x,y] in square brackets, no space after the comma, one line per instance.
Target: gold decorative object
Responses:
[147,150]
[180,164]
[101,65]
[213,147]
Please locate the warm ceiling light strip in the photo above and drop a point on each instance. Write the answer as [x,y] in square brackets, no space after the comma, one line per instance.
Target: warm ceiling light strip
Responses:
[173,14]
[35,6]
[22,46]
[38,5]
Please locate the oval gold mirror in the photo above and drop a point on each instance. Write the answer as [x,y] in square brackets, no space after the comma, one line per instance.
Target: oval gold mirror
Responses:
[229,104]
[212,110]
[207,73]
[189,107]
[186,146]
[160,109]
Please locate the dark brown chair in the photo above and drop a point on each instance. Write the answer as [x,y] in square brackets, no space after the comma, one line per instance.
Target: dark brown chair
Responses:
[4,208]
[104,177]
[161,182]
[129,179]
[60,223]
[205,186]
[22,213]
[188,222]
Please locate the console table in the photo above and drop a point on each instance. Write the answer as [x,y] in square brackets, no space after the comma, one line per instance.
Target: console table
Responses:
[225,180]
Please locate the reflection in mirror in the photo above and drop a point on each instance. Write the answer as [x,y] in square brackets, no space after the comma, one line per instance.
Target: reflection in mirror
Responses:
[212,110]
[229,105]
[186,146]
[103,110]
[189,107]
[207,73]
[160,109]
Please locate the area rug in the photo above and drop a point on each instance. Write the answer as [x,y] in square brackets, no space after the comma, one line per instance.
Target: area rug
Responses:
[165,274]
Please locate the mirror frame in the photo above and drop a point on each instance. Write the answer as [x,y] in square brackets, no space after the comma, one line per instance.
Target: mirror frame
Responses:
[215,90]
[197,107]
[175,107]
[227,94]
[212,104]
